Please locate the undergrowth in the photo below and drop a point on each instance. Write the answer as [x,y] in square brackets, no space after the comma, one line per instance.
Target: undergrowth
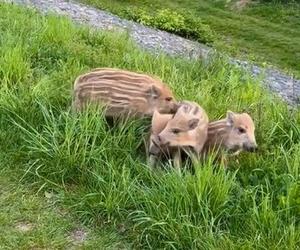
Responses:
[172,21]
[101,169]
[263,32]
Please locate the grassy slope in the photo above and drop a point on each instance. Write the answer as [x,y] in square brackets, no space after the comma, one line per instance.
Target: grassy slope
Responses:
[99,172]
[32,221]
[264,32]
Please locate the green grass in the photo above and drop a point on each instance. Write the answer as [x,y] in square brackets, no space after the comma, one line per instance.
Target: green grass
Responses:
[98,172]
[263,33]
[31,220]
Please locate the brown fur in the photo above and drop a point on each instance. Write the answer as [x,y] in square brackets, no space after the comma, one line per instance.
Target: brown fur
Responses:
[122,93]
[186,130]
[233,134]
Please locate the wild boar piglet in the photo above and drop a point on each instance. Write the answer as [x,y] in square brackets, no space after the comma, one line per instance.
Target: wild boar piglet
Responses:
[233,134]
[186,130]
[123,93]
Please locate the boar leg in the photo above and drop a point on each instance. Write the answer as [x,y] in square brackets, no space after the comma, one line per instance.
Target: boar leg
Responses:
[177,159]
[152,161]
[76,106]
[154,152]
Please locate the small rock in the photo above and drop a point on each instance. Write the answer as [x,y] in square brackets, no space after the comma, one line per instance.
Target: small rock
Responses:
[48,195]
[154,40]
[78,236]
[24,226]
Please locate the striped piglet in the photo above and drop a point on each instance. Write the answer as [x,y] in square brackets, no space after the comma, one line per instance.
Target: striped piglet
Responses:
[123,93]
[186,130]
[234,134]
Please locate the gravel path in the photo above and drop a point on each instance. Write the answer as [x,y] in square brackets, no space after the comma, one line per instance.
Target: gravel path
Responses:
[155,41]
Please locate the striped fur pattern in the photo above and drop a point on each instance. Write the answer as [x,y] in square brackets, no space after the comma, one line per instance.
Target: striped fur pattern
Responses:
[186,130]
[234,134]
[123,92]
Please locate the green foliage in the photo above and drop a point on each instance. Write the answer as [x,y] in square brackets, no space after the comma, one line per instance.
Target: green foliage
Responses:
[30,220]
[280,1]
[100,171]
[171,21]
[262,32]
[195,28]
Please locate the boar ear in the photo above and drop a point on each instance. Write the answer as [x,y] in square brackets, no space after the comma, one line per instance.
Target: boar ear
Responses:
[193,123]
[159,121]
[182,107]
[230,118]
[154,92]
[155,116]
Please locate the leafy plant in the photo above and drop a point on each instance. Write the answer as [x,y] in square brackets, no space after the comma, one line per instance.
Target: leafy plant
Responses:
[169,20]
[165,19]
[100,171]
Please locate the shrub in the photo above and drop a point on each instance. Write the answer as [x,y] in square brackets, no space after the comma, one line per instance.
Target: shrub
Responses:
[195,28]
[169,20]
[187,26]
[140,16]
[100,171]
[279,1]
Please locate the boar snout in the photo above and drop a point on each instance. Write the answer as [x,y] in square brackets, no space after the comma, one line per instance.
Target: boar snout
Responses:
[175,107]
[250,147]
[162,140]
[170,108]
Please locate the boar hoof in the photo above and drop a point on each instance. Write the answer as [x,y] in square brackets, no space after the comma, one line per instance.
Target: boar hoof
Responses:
[152,161]
[177,160]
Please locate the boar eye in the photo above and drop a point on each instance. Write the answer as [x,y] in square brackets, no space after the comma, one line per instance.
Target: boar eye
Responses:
[168,99]
[175,131]
[242,130]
